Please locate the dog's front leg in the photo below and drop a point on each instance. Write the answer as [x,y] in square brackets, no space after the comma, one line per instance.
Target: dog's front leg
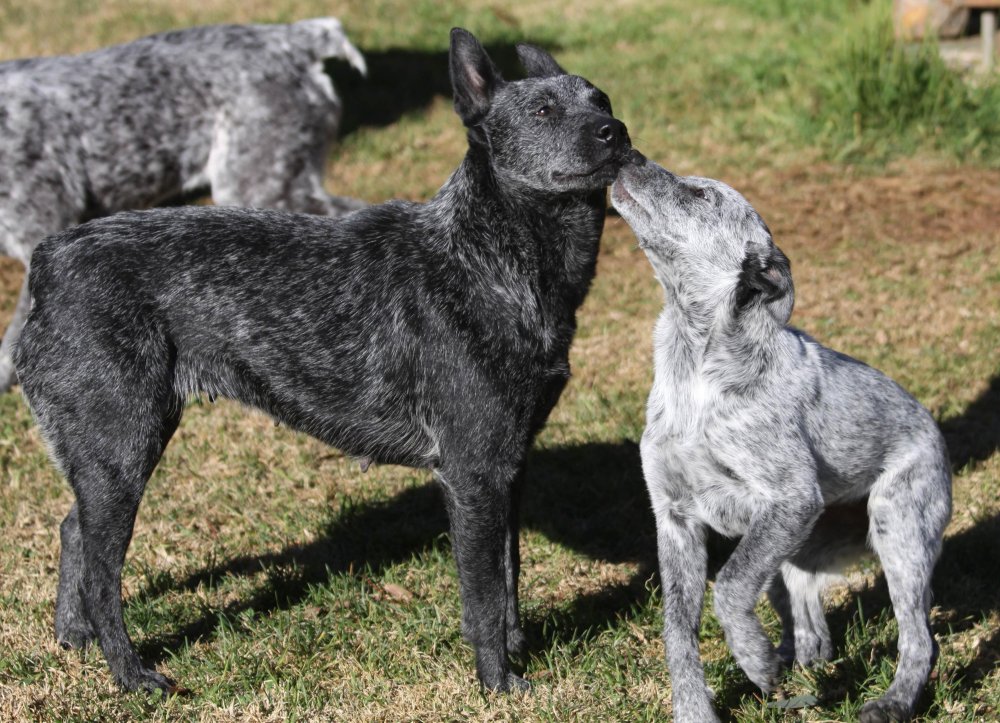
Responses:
[516,641]
[8,377]
[683,558]
[774,534]
[682,554]
[479,510]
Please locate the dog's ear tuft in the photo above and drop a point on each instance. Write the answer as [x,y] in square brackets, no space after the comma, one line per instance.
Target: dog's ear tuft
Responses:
[767,280]
[537,62]
[474,77]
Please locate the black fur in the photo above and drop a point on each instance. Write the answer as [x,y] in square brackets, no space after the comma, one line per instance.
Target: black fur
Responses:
[433,335]
[767,279]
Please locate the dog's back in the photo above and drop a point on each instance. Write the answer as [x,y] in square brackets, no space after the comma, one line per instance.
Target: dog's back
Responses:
[135,124]
[243,111]
[860,422]
[280,312]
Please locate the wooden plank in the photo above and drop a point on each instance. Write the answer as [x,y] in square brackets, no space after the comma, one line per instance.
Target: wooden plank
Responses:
[989,31]
[979,3]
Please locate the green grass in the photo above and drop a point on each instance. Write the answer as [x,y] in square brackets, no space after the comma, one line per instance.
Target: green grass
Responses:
[873,98]
[277,582]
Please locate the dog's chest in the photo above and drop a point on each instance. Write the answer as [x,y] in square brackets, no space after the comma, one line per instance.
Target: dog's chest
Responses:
[694,433]
[558,272]
[697,472]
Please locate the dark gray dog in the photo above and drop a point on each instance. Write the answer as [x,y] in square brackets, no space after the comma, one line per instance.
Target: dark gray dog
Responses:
[433,335]
[246,111]
[756,430]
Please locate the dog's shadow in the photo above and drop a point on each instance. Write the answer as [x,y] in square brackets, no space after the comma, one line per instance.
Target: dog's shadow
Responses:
[580,496]
[591,498]
[974,435]
[402,80]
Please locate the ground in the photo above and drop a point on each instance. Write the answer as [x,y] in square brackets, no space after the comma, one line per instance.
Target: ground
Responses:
[276,581]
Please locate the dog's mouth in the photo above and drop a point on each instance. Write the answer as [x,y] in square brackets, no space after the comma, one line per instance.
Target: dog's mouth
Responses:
[610,164]
[626,203]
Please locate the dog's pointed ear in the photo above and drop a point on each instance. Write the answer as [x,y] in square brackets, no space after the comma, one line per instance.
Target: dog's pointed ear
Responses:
[474,77]
[537,62]
[767,279]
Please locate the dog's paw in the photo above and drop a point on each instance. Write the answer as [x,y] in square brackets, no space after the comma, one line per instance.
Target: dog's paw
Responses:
[763,671]
[76,635]
[147,679]
[510,683]
[883,711]
[811,650]
[704,716]
[517,684]
[694,708]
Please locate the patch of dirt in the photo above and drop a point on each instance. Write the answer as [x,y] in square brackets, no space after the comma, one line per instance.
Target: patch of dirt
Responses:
[822,205]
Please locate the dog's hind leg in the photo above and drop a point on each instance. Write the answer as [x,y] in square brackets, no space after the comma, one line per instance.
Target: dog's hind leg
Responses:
[266,165]
[909,510]
[106,416]
[781,601]
[73,626]
[796,596]
[8,377]
[837,539]
[108,473]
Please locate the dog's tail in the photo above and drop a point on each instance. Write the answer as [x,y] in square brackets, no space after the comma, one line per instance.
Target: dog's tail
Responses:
[325,37]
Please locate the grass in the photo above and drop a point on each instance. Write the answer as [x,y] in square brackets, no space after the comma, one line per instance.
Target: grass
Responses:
[276,581]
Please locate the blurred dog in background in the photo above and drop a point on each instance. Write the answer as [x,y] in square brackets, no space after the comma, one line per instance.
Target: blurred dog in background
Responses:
[243,111]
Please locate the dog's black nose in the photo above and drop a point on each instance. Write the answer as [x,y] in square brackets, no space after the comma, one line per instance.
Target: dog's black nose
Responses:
[612,132]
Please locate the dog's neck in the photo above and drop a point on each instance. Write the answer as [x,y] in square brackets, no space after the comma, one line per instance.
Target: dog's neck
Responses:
[548,237]
[701,333]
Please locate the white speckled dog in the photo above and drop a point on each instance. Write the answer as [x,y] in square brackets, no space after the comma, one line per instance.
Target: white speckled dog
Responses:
[756,430]
[243,110]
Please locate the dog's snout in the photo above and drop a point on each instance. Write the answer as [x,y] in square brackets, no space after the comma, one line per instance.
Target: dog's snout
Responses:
[635,158]
[612,132]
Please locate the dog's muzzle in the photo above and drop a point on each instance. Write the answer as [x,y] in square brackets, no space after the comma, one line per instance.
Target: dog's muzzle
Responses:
[635,158]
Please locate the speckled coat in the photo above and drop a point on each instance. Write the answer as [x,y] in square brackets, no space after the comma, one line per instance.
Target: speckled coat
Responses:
[757,431]
[434,335]
[243,111]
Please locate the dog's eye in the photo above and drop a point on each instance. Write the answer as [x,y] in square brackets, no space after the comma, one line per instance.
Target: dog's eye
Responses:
[699,193]
[543,111]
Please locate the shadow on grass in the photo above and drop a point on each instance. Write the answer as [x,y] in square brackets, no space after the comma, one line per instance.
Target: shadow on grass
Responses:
[401,80]
[583,497]
[974,435]
[591,498]
[967,588]
[366,536]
